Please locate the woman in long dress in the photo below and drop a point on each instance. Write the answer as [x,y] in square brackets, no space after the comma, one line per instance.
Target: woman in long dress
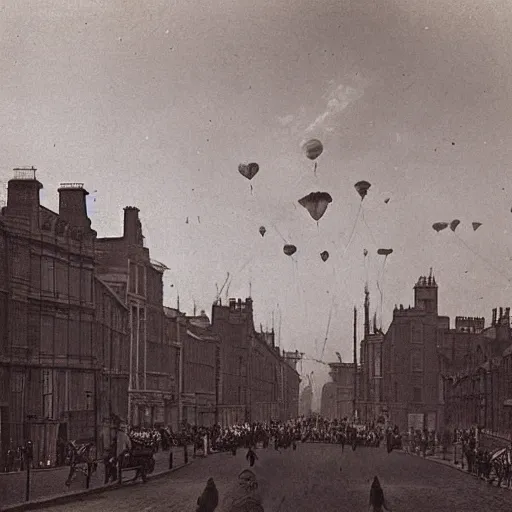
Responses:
[377,501]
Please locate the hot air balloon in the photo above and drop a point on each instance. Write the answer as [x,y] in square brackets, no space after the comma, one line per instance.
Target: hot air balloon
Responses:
[453,224]
[476,225]
[262,230]
[248,170]
[365,253]
[313,149]
[362,188]
[439,226]
[386,200]
[324,255]
[384,252]
[289,249]
[316,203]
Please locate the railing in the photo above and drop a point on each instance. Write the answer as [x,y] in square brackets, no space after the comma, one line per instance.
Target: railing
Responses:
[72,185]
[24,173]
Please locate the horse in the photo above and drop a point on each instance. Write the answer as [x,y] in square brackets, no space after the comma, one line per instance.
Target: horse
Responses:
[80,454]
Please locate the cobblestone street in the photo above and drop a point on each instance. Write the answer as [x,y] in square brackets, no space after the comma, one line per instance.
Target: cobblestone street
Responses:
[310,479]
[49,482]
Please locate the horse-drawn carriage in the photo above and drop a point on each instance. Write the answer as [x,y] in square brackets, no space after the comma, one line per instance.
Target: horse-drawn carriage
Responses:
[140,458]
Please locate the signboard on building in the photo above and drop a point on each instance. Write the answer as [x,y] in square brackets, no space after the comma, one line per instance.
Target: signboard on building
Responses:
[415,421]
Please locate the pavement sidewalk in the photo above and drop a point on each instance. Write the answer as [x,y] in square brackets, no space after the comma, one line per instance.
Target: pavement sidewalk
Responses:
[48,487]
[438,459]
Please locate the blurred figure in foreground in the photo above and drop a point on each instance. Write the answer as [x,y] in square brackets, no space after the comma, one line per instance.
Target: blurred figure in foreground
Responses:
[209,499]
[377,501]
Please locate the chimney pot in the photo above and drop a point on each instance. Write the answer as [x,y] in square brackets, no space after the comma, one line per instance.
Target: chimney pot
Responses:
[72,204]
[23,195]
[132,230]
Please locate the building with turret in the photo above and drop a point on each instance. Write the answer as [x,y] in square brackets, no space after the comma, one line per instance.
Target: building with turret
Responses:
[412,382]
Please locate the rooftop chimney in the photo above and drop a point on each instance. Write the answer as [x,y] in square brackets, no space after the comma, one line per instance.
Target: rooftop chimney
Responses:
[132,231]
[23,195]
[501,315]
[72,205]
[494,311]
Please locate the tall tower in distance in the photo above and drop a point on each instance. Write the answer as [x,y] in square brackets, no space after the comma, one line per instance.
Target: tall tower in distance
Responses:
[425,294]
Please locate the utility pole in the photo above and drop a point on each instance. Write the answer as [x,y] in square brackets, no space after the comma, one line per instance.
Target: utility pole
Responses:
[355,365]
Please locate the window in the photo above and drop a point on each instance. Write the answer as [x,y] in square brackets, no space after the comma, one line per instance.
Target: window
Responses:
[141,281]
[416,333]
[416,361]
[74,282]
[47,393]
[47,275]
[378,362]
[416,395]
[46,346]
[86,283]
[133,277]
[61,278]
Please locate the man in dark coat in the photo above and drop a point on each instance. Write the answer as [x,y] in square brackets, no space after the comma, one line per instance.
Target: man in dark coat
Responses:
[209,499]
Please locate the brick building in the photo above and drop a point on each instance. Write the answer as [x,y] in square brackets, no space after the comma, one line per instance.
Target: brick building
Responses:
[253,381]
[291,384]
[125,265]
[200,375]
[413,386]
[52,365]
[478,390]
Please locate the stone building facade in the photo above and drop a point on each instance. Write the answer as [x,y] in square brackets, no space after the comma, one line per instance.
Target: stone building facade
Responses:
[254,384]
[413,386]
[478,390]
[52,366]
[125,265]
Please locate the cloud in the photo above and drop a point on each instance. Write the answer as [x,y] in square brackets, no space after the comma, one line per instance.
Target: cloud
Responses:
[337,101]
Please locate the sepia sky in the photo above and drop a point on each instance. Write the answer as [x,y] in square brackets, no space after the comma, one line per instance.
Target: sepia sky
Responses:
[154,104]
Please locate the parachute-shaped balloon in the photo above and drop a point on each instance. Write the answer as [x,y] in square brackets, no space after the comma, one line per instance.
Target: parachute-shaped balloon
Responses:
[365,252]
[313,149]
[248,170]
[289,249]
[262,230]
[476,225]
[454,223]
[324,255]
[384,252]
[362,188]
[439,226]
[316,204]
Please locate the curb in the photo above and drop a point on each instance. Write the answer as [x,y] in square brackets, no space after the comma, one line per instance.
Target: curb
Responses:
[61,499]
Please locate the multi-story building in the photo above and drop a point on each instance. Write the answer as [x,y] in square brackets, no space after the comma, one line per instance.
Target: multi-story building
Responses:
[291,384]
[125,265]
[478,389]
[371,402]
[201,372]
[413,385]
[52,363]
[338,395]
[252,379]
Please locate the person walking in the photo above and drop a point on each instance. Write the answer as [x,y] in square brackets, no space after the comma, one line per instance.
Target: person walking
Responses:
[377,501]
[251,457]
[209,498]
